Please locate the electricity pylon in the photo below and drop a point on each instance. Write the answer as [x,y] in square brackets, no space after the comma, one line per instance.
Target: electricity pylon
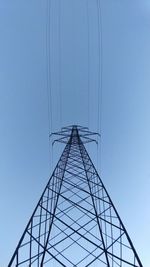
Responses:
[75,222]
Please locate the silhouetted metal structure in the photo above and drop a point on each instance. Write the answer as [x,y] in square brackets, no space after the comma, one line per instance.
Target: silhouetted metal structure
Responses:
[75,222]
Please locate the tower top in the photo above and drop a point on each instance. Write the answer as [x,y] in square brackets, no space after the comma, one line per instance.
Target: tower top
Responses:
[85,135]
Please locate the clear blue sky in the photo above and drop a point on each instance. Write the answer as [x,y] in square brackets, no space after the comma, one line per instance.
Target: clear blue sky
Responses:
[24,146]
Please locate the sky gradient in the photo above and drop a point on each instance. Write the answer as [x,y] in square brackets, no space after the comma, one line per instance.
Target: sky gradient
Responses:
[25,163]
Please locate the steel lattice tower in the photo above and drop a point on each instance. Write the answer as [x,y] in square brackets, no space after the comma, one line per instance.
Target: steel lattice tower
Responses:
[75,222]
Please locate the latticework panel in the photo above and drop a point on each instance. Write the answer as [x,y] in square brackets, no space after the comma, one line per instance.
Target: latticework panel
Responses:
[75,222]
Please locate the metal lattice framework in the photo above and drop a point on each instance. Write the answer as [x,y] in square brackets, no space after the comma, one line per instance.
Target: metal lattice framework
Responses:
[75,222]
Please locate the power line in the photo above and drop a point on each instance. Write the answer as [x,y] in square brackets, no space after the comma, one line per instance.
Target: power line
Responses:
[48,60]
[48,68]
[60,57]
[88,59]
[100,69]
